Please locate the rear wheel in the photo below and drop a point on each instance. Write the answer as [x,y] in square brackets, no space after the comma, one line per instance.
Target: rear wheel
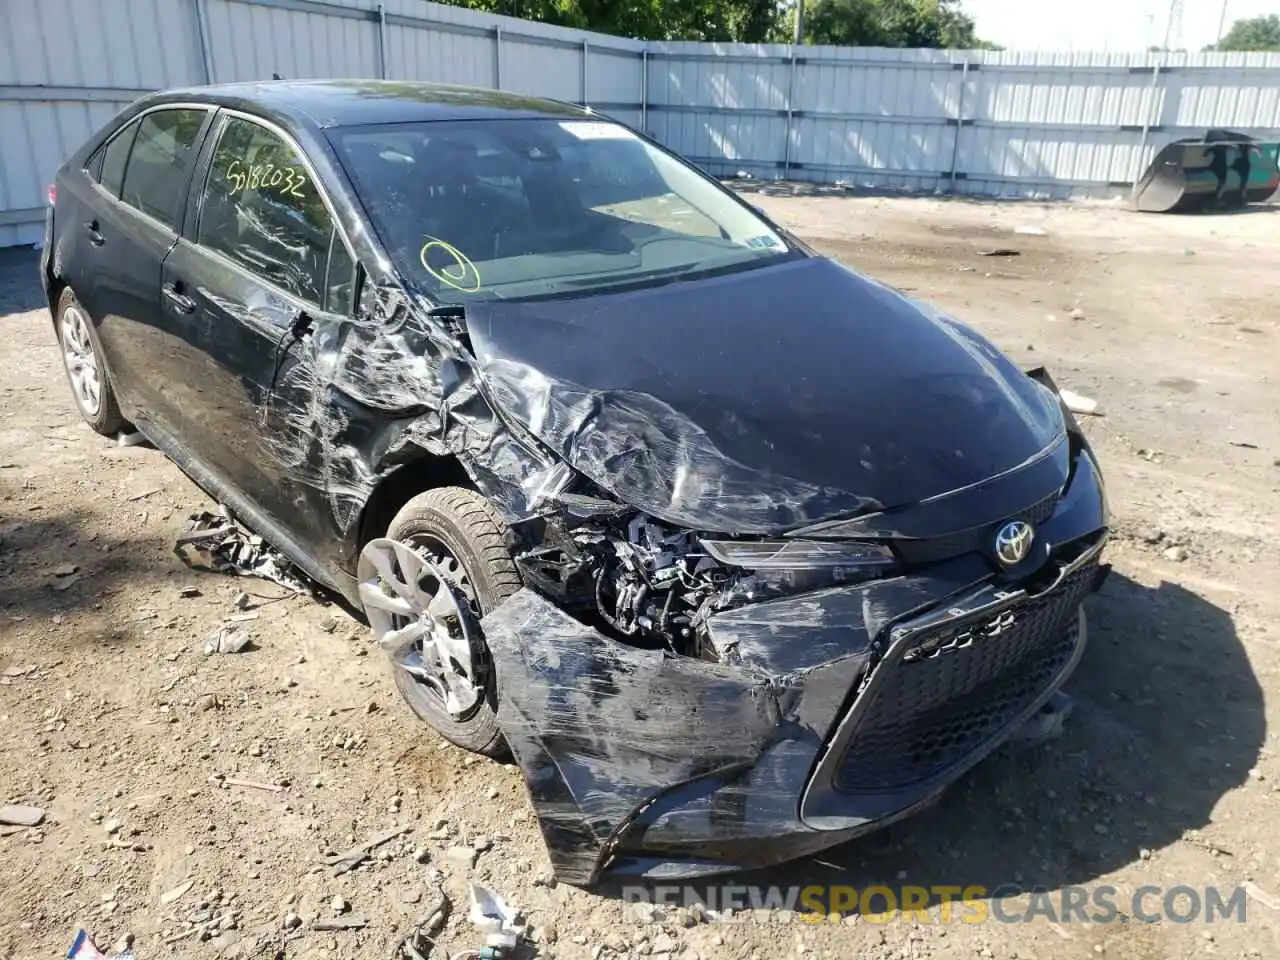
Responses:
[86,372]
[442,565]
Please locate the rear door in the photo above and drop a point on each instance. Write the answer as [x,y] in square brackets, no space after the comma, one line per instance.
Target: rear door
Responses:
[262,267]
[144,173]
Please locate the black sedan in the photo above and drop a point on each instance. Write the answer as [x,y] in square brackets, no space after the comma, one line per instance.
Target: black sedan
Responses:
[740,553]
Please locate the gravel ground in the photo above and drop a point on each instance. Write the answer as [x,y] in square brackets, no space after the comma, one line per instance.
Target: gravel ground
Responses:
[190,801]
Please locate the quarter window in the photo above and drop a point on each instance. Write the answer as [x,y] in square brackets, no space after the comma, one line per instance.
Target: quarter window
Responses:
[342,273]
[155,178]
[262,210]
[114,157]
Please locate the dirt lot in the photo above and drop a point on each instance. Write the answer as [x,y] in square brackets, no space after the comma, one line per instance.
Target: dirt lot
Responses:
[113,721]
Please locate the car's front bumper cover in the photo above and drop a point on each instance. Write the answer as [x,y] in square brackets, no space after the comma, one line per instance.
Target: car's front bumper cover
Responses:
[845,709]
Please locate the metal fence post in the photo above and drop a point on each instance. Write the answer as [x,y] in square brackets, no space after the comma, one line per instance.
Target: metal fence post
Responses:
[202,37]
[586,52]
[497,58]
[791,89]
[955,144]
[644,90]
[382,41]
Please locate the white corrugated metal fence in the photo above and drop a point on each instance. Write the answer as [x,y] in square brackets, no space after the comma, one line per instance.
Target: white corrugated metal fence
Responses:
[981,122]
[985,122]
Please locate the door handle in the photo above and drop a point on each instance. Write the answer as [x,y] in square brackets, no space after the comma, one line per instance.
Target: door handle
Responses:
[181,302]
[95,235]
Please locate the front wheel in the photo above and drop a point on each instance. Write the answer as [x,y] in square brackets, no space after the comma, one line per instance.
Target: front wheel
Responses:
[442,565]
[86,372]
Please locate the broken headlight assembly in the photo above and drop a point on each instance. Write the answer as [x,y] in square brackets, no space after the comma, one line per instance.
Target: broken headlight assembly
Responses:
[772,569]
[859,558]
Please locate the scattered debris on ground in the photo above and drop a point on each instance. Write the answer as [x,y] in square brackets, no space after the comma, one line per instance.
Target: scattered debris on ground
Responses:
[350,859]
[83,948]
[1078,403]
[422,939]
[228,639]
[215,542]
[497,921]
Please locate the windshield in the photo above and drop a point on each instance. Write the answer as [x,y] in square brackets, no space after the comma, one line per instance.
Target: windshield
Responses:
[543,207]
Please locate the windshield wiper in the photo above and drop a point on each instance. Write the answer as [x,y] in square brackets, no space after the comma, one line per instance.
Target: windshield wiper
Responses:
[582,282]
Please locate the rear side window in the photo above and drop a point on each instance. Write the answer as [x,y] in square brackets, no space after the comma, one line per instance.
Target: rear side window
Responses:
[155,178]
[261,209]
[114,157]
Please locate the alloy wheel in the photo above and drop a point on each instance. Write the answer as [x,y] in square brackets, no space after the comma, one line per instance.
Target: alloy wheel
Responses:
[81,359]
[423,612]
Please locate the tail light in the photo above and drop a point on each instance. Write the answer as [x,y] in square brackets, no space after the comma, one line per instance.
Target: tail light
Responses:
[52,193]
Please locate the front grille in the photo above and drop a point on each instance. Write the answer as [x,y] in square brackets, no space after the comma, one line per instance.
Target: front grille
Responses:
[953,689]
[934,549]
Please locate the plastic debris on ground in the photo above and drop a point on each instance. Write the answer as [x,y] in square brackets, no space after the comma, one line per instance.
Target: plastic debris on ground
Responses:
[214,541]
[227,639]
[1048,723]
[83,948]
[1077,403]
[497,921]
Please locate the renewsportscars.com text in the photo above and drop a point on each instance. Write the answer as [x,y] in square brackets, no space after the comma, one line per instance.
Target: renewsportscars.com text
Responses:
[943,903]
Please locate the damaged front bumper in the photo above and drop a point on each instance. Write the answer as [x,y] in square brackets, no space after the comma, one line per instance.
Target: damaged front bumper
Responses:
[834,713]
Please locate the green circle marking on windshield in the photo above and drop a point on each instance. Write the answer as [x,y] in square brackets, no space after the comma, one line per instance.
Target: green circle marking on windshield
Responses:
[458,272]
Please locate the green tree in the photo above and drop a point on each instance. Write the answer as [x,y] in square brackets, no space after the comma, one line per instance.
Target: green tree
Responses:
[846,23]
[891,23]
[749,21]
[1257,33]
[880,23]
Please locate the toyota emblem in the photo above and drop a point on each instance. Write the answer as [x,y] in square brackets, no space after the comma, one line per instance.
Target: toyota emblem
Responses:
[1013,542]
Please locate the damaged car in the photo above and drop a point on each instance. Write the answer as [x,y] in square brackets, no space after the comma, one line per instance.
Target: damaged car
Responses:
[738,553]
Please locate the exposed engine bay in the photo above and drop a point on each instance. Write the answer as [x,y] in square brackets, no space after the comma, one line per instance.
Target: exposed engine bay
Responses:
[652,585]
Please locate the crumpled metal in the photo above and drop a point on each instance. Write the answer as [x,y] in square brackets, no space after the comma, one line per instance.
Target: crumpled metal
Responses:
[215,542]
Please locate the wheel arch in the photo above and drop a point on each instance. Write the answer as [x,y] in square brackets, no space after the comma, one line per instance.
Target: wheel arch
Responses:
[54,284]
[401,485]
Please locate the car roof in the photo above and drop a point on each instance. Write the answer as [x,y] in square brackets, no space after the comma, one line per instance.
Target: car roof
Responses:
[339,103]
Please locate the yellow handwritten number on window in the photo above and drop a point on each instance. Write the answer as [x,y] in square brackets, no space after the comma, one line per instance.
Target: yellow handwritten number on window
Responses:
[458,271]
[287,180]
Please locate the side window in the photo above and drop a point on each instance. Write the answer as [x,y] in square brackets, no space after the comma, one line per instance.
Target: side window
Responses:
[261,209]
[114,155]
[155,178]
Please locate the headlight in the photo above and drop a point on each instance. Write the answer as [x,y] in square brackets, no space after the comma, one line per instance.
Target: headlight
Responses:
[798,554]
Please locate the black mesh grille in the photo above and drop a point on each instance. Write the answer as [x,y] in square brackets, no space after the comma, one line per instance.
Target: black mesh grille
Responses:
[955,688]
[1038,513]
[970,541]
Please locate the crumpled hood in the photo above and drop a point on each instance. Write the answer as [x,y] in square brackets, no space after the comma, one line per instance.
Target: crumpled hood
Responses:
[764,400]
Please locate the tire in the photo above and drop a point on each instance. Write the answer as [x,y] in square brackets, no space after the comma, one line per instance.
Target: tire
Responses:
[78,342]
[471,529]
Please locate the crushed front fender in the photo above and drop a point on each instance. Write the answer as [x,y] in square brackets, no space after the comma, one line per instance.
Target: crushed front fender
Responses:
[640,762]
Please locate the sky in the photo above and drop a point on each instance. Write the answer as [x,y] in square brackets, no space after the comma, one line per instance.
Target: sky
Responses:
[1119,25]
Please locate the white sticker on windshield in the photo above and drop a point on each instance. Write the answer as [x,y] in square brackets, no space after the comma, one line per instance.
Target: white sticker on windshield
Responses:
[595,130]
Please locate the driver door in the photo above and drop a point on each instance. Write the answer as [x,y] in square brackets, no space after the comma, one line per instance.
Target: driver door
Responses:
[264,267]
